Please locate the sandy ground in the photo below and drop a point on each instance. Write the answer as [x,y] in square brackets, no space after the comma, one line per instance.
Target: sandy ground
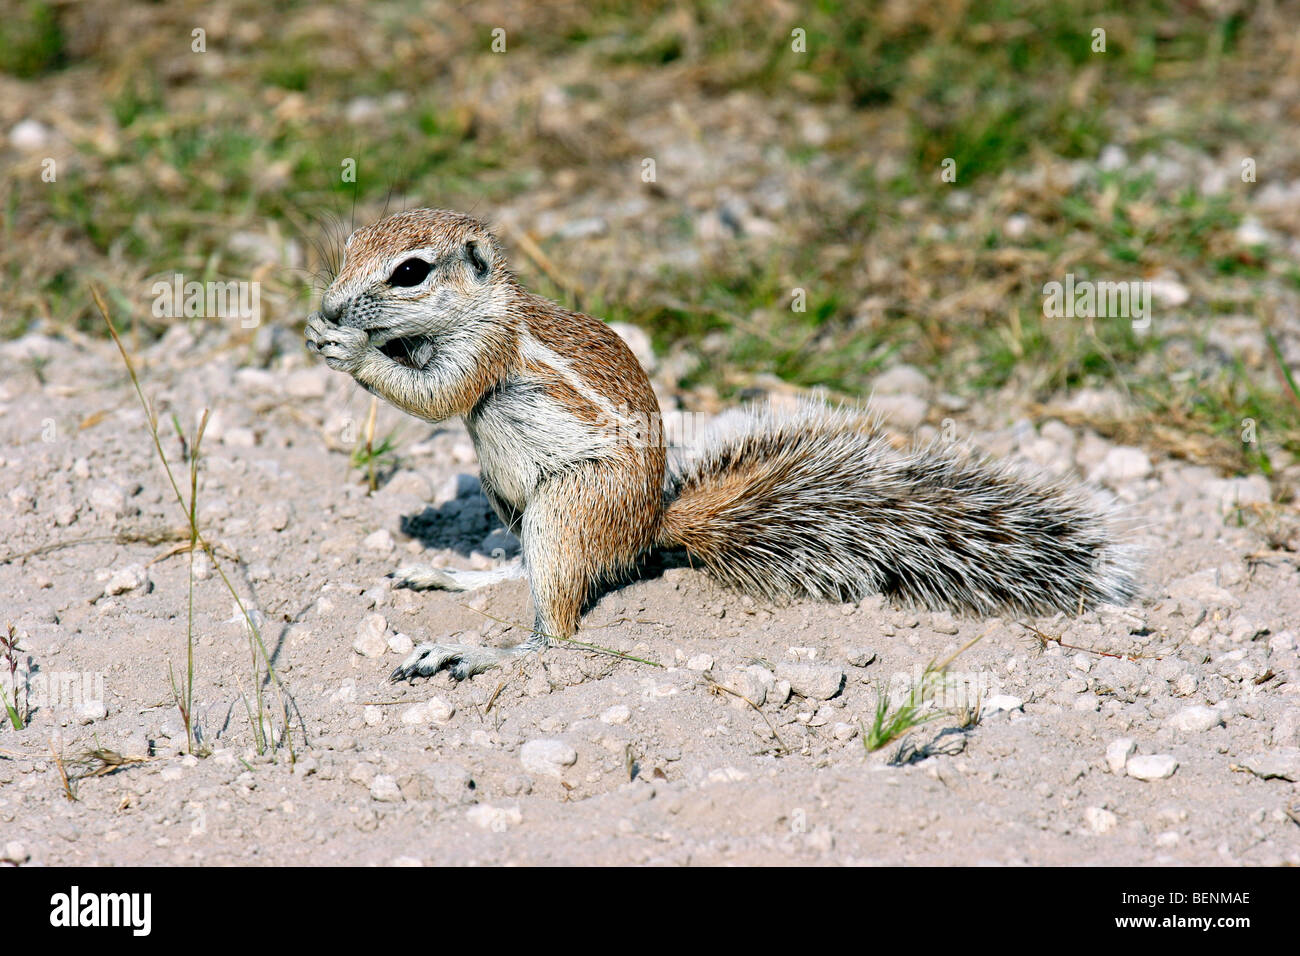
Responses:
[578,757]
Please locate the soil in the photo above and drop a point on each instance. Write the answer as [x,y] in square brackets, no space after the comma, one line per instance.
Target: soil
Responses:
[580,757]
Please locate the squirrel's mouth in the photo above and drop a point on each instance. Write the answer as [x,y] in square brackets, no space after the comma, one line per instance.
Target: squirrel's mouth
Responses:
[406,351]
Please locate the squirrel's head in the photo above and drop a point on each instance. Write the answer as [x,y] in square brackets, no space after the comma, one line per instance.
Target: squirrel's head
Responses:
[416,276]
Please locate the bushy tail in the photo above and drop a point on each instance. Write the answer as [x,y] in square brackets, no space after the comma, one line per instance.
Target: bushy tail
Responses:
[819,504]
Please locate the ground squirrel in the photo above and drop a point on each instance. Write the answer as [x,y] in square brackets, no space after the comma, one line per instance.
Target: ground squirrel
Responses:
[425,313]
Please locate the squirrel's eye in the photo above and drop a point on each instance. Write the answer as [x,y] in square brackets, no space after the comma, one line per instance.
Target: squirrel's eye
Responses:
[411,272]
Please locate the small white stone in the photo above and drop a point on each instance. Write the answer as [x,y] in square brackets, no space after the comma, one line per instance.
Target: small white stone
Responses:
[373,716]
[107,500]
[700,662]
[1169,293]
[547,756]
[384,788]
[1151,766]
[1195,719]
[843,731]
[29,135]
[401,645]
[1118,752]
[814,681]
[1122,464]
[415,714]
[127,579]
[727,775]
[1252,233]
[438,710]
[91,710]
[1112,158]
[901,380]
[1100,820]
[618,714]
[1167,839]
[371,641]
[905,412]
[943,622]
[1000,702]
[496,819]
[380,541]
[239,437]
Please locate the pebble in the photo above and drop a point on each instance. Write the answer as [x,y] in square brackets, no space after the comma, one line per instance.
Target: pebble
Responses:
[91,710]
[496,819]
[126,579]
[547,756]
[239,437]
[843,731]
[1151,766]
[1286,729]
[901,380]
[1121,465]
[1280,764]
[15,852]
[438,710]
[699,662]
[749,685]
[380,541]
[1185,685]
[816,681]
[384,789]
[1118,752]
[108,500]
[1001,702]
[904,412]
[1168,292]
[29,135]
[407,482]
[943,622]
[1195,719]
[618,714]
[370,640]
[1100,820]
[276,516]
[861,657]
[401,645]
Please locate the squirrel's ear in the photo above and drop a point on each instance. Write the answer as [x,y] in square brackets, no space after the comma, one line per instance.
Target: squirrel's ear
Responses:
[479,256]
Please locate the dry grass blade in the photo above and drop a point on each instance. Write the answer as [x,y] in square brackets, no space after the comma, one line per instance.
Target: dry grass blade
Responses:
[716,688]
[197,539]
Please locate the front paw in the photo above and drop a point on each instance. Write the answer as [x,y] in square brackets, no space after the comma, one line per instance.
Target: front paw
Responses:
[343,348]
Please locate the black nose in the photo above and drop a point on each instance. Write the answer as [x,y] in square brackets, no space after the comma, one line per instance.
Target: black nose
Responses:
[331,314]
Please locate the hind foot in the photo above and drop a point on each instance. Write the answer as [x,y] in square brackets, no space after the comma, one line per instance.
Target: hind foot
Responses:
[459,660]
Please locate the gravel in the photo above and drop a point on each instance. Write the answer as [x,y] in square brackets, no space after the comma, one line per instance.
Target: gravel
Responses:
[1151,767]
[548,757]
